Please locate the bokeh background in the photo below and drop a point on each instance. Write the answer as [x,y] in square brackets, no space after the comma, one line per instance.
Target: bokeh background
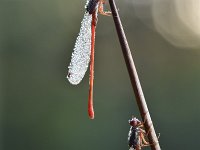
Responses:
[40,110]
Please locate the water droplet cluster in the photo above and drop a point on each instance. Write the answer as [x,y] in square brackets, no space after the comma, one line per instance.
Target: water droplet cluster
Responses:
[81,53]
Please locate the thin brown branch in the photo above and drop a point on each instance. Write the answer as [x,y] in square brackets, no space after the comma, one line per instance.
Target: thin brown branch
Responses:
[144,112]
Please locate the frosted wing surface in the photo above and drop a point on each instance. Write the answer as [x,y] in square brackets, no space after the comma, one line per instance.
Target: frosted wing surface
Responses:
[81,54]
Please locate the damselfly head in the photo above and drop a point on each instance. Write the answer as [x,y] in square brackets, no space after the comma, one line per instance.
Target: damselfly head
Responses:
[92,6]
[134,121]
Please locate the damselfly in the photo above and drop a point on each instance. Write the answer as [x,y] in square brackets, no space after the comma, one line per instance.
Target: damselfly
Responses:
[84,49]
[137,135]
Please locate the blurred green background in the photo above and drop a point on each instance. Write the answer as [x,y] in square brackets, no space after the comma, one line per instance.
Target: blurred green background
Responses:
[40,110]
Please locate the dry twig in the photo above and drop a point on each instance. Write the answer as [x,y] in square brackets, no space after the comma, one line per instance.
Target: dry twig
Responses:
[134,79]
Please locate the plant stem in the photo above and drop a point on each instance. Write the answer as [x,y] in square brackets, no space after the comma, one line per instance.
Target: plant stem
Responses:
[148,124]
